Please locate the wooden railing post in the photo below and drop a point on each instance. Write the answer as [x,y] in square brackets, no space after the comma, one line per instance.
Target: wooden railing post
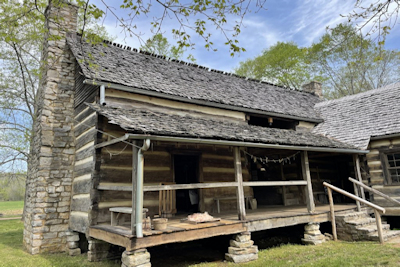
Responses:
[333,220]
[134,177]
[357,171]
[379,225]
[305,168]
[239,180]
[356,193]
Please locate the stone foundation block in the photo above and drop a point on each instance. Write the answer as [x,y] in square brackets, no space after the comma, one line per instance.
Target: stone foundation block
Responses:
[246,244]
[311,227]
[72,245]
[243,237]
[241,258]
[312,235]
[241,251]
[139,258]
[98,250]
[74,252]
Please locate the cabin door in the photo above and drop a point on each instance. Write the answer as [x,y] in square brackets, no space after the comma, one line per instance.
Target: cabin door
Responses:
[186,168]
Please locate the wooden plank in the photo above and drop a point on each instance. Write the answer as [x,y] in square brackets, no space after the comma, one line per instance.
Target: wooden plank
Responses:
[305,168]
[275,183]
[185,236]
[114,238]
[239,181]
[188,186]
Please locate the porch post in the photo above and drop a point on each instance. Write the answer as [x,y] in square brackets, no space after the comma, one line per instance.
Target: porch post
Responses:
[357,172]
[134,182]
[239,180]
[305,168]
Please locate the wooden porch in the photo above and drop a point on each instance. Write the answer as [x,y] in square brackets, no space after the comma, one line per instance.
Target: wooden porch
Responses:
[263,218]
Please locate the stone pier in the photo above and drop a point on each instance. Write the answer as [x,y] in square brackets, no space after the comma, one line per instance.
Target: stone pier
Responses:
[136,258]
[242,249]
[312,234]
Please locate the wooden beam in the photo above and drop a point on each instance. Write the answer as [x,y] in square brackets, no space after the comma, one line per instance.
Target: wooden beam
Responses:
[275,183]
[188,186]
[185,236]
[357,171]
[111,142]
[305,168]
[239,181]
[133,186]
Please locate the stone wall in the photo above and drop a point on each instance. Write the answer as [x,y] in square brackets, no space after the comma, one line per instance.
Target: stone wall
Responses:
[50,168]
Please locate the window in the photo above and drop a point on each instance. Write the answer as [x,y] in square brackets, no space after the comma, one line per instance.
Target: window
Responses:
[393,167]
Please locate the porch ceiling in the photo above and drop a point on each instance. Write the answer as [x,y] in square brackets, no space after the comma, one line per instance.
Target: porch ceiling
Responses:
[214,130]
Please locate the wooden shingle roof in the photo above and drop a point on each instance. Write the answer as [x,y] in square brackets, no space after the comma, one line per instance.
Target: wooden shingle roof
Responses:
[355,119]
[157,123]
[116,64]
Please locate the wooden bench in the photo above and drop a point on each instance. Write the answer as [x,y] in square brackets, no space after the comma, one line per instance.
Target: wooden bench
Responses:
[247,201]
[118,212]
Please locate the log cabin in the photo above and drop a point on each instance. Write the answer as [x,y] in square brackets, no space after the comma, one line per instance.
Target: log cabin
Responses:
[124,139]
[369,121]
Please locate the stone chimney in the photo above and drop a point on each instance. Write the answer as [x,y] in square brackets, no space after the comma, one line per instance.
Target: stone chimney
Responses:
[313,87]
[50,167]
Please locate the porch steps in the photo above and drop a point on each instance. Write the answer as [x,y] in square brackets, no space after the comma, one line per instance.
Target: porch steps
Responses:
[360,226]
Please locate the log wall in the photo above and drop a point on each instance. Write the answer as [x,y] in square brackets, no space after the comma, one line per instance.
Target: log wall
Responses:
[377,169]
[85,124]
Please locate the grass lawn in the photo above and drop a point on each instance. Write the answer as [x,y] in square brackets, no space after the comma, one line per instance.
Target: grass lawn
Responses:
[11,208]
[12,253]
[328,254]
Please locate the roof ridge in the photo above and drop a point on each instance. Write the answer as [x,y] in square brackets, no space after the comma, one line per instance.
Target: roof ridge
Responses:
[144,52]
[361,94]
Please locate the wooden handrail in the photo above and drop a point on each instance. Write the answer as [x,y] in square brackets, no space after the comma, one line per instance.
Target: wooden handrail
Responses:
[350,195]
[376,208]
[374,191]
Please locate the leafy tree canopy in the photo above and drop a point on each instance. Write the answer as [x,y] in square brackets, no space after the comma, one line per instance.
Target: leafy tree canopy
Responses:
[159,45]
[344,60]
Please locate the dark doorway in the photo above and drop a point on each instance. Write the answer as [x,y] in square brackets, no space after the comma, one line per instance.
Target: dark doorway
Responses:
[186,172]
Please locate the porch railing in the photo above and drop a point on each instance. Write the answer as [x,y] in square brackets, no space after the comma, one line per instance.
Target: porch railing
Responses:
[362,185]
[377,209]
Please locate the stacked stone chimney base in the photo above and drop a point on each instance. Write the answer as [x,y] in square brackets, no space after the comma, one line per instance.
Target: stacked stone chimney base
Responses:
[242,249]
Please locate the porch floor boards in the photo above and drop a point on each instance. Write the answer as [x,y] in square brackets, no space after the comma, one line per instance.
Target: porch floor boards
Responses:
[265,217]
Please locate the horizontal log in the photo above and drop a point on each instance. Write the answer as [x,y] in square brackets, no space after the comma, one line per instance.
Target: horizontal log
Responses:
[275,183]
[188,186]
[81,127]
[115,186]
[85,138]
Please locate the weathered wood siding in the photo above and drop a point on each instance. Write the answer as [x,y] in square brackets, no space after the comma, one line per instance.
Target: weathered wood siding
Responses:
[377,169]
[85,136]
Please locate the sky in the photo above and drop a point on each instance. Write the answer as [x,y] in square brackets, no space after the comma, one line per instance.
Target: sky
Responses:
[300,21]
